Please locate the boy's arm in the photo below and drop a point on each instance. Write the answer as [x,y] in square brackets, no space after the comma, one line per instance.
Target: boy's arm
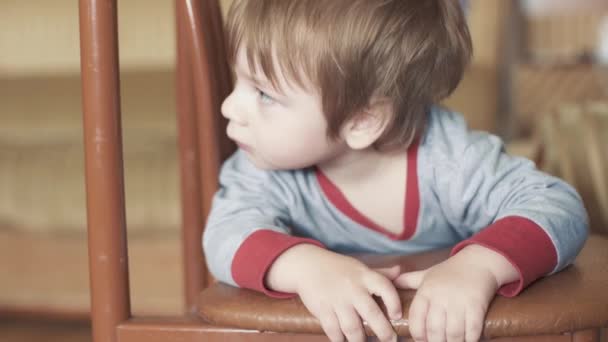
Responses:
[535,221]
[247,227]
[338,289]
[247,243]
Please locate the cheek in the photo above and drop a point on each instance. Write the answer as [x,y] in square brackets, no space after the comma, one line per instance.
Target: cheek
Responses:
[298,135]
[292,143]
[297,148]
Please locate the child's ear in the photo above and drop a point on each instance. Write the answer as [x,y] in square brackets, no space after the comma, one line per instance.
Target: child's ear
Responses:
[366,127]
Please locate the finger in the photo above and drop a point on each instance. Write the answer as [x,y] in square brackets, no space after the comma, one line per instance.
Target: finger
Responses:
[435,324]
[370,312]
[474,322]
[350,324]
[391,272]
[385,289]
[410,280]
[331,326]
[417,317]
[454,326]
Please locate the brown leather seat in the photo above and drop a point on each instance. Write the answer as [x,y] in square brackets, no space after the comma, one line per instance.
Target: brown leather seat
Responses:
[571,300]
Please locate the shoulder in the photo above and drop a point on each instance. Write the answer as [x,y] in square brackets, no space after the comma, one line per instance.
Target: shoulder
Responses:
[238,168]
[449,139]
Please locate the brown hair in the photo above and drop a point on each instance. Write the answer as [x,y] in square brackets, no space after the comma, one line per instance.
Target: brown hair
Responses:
[412,52]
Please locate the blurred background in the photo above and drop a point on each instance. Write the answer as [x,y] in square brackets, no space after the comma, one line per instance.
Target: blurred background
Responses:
[539,79]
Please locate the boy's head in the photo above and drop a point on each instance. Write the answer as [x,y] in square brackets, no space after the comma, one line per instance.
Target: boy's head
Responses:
[357,54]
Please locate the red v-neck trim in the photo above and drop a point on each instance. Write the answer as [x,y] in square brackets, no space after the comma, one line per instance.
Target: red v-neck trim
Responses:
[411,206]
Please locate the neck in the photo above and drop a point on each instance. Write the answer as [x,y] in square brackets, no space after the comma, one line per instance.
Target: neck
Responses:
[356,166]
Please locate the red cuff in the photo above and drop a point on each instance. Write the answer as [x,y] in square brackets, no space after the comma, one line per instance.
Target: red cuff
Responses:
[521,241]
[255,255]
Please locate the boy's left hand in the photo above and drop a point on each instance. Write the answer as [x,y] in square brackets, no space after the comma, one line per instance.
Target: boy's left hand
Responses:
[452,297]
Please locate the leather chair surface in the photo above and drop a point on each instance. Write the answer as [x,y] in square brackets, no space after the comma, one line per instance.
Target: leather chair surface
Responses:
[572,300]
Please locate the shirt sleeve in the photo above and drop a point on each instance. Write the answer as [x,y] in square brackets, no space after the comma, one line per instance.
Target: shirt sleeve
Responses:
[536,221]
[247,228]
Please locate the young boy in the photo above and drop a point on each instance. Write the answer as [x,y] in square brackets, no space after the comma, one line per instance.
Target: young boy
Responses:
[343,150]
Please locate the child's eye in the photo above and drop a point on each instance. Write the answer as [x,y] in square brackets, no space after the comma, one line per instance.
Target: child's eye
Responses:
[264,98]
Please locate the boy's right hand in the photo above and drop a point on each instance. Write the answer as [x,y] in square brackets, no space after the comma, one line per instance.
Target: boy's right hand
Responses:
[338,291]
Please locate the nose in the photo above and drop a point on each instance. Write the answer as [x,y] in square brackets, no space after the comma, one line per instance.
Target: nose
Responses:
[230,110]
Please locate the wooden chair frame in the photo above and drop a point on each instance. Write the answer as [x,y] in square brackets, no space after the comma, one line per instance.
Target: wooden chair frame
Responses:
[198,142]
[110,303]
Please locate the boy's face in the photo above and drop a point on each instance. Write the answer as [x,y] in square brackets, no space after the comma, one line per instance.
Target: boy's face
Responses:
[285,130]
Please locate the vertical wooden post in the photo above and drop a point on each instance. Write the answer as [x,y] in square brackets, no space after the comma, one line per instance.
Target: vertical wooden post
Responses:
[108,262]
[207,113]
[194,267]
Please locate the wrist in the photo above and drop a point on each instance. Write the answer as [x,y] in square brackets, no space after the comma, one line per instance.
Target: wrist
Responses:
[286,272]
[495,263]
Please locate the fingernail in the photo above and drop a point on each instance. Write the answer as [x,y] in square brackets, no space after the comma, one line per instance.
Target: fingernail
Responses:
[397,315]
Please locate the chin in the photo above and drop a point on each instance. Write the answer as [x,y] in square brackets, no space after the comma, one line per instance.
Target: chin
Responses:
[261,164]
[275,166]
[279,163]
